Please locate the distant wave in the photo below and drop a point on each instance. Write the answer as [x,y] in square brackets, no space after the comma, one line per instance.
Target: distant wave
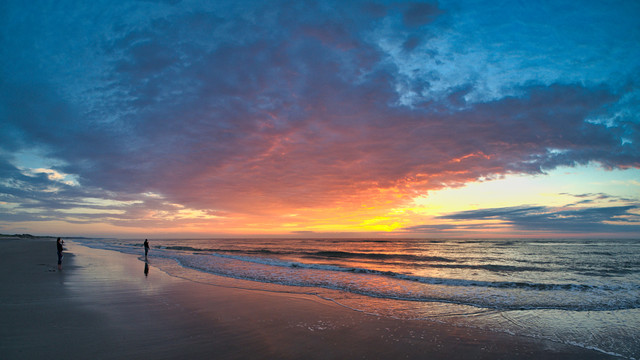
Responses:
[342,241]
[492,267]
[372,256]
[380,256]
[232,251]
[317,254]
[428,280]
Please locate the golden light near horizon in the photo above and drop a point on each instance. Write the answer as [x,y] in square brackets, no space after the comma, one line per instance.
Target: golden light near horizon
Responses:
[554,190]
[559,188]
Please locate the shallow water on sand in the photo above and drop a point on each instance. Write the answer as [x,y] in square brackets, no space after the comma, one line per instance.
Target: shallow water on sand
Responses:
[581,292]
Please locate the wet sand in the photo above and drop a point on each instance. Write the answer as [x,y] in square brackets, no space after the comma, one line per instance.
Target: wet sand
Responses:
[103,306]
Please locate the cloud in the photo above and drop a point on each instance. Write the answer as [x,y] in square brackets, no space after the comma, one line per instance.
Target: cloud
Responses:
[263,108]
[542,218]
[419,14]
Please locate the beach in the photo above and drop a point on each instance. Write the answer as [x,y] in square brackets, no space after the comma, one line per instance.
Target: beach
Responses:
[107,305]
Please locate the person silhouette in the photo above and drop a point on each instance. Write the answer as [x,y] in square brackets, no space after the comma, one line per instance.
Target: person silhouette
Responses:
[60,255]
[146,248]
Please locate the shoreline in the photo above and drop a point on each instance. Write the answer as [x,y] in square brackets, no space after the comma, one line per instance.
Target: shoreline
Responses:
[103,305]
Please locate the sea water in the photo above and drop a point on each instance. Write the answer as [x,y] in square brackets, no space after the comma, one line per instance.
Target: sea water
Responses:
[581,292]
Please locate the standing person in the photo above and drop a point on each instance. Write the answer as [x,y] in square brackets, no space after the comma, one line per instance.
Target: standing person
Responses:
[146,248]
[60,256]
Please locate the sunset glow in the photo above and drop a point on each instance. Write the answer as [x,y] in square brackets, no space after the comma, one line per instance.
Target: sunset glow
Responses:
[320,119]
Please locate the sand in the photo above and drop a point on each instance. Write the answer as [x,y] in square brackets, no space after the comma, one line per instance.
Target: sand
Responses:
[103,306]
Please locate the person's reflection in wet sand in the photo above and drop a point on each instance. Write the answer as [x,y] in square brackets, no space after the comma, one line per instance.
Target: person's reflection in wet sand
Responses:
[146,269]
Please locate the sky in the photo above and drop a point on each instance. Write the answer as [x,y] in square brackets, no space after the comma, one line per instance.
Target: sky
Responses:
[320,118]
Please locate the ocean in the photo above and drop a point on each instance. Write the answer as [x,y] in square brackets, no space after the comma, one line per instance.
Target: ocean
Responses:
[573,291]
